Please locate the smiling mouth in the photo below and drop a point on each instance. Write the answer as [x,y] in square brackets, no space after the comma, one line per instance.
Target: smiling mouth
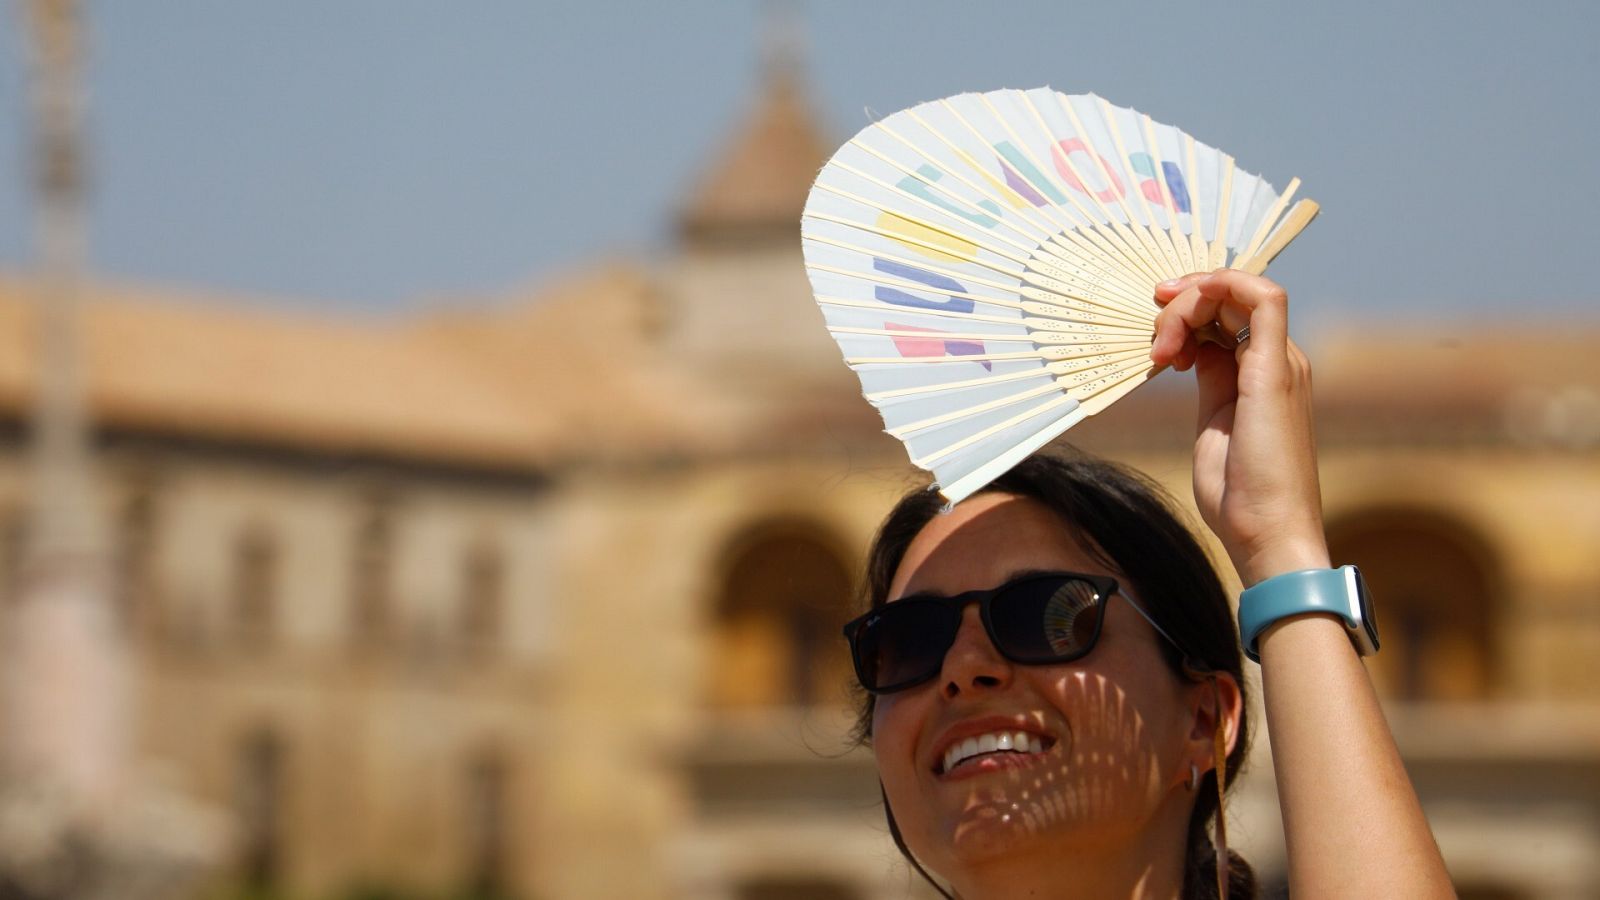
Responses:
[997,745]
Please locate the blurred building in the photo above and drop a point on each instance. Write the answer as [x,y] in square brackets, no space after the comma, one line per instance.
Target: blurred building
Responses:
[542,599]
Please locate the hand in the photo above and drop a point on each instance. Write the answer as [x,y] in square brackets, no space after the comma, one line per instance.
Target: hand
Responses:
[1255,456]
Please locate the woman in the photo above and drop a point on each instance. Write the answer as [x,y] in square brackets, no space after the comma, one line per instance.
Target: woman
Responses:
[1055,675]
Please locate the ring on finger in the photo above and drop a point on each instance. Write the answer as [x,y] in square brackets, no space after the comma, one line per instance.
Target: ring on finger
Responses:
[1242,335]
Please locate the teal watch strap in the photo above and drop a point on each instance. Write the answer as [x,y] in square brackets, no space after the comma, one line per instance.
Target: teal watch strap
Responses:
[1336,591]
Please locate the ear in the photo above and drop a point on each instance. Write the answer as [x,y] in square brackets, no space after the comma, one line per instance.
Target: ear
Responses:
[1214,701]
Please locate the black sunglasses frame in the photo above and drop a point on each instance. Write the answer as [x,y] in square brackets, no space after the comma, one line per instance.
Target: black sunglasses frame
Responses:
[1104,586]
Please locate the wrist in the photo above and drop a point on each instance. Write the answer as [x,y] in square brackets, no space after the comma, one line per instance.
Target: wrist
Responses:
[1308,593]
[1256,564]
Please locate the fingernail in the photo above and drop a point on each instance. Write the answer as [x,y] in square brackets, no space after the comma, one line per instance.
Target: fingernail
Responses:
[1169,283]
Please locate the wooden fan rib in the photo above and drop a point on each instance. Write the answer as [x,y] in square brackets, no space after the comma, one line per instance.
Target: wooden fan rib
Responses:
[986,337]
[878,397]
[1053,353]
[1141,244]
[956,481]
[1169,199]
[1127,254]
[1197,233]
[925,265]
[1073,247]
[1055,311]
[1270,219]
[927,461]
[1014,223]
[879,306]
[904,237]
[1026,211]
[887,281]
[1064,290]
[1219,243]
[907,239]
[1044,289]
[1108,115]
[1116,279]
[1100,398]
[1049,276]
[1061,367]
[857,361]
[1142,254]
[904,431]
[1161,249]
[1299,217]
[1032,322]
[901,192]
[1051,211]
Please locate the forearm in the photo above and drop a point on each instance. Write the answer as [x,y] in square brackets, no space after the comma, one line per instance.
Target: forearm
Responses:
[1352,821]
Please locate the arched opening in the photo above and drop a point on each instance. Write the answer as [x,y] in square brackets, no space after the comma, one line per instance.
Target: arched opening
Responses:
[1434,586]
[784,595]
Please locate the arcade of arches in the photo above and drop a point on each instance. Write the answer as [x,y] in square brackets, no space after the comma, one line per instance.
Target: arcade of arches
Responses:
[1434,585]
[785,590]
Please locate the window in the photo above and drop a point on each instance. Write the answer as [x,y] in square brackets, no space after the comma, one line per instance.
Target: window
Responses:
[371,577]
[1433,585]
[482,594]
[785,595]
[135,560]
[255,582]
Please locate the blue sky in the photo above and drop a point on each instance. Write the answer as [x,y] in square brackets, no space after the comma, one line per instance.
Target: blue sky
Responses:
[376,155]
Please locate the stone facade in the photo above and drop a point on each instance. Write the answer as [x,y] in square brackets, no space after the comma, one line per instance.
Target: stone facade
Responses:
[547,605]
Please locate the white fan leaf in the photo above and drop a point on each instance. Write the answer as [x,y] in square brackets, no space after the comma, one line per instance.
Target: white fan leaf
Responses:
[987,262]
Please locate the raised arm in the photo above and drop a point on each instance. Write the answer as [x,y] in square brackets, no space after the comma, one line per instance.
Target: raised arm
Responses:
[1352,822]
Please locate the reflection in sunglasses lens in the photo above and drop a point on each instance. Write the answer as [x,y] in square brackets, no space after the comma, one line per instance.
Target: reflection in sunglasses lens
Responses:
[1068,618]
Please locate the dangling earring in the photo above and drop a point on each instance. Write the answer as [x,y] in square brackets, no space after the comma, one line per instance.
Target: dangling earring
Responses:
[1194,776]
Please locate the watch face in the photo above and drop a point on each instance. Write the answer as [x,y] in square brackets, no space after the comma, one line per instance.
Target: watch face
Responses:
[1369,617]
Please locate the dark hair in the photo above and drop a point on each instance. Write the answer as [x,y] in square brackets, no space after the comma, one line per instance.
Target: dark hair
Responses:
[1130,523]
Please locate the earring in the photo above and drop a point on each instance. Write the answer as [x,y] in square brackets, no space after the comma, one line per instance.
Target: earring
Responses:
[1194,776]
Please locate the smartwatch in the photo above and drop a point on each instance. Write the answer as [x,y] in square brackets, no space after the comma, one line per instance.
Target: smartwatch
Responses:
[1341,592]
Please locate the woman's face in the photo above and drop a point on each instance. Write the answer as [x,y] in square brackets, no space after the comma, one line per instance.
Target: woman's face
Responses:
[1108,733]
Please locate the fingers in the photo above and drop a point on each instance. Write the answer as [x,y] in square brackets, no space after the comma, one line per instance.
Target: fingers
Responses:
[1217,376]
[1246,299]
[1230,298]
[1166,290]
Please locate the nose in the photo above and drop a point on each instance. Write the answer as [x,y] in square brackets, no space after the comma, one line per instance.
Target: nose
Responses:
[973,663]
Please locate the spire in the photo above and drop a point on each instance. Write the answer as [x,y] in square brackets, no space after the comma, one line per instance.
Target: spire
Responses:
[756,188]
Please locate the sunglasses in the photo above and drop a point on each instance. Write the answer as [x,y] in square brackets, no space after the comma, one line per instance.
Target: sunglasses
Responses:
[1036,620]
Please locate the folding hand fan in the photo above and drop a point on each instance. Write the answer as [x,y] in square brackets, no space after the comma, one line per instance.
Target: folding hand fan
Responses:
[987,263]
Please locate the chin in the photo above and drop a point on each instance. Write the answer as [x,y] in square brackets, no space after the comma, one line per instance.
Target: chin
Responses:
[1000,820]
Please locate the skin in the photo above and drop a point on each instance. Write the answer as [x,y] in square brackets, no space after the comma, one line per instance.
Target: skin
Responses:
[1105,808]
[1102,812]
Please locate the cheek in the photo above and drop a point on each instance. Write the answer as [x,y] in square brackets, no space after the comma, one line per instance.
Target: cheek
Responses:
[894,728]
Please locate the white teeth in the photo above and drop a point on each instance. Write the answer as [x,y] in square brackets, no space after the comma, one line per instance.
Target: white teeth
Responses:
[1015,741]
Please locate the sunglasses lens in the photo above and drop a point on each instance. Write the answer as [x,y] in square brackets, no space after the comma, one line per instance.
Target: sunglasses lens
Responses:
[904,643]
[1047,619]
